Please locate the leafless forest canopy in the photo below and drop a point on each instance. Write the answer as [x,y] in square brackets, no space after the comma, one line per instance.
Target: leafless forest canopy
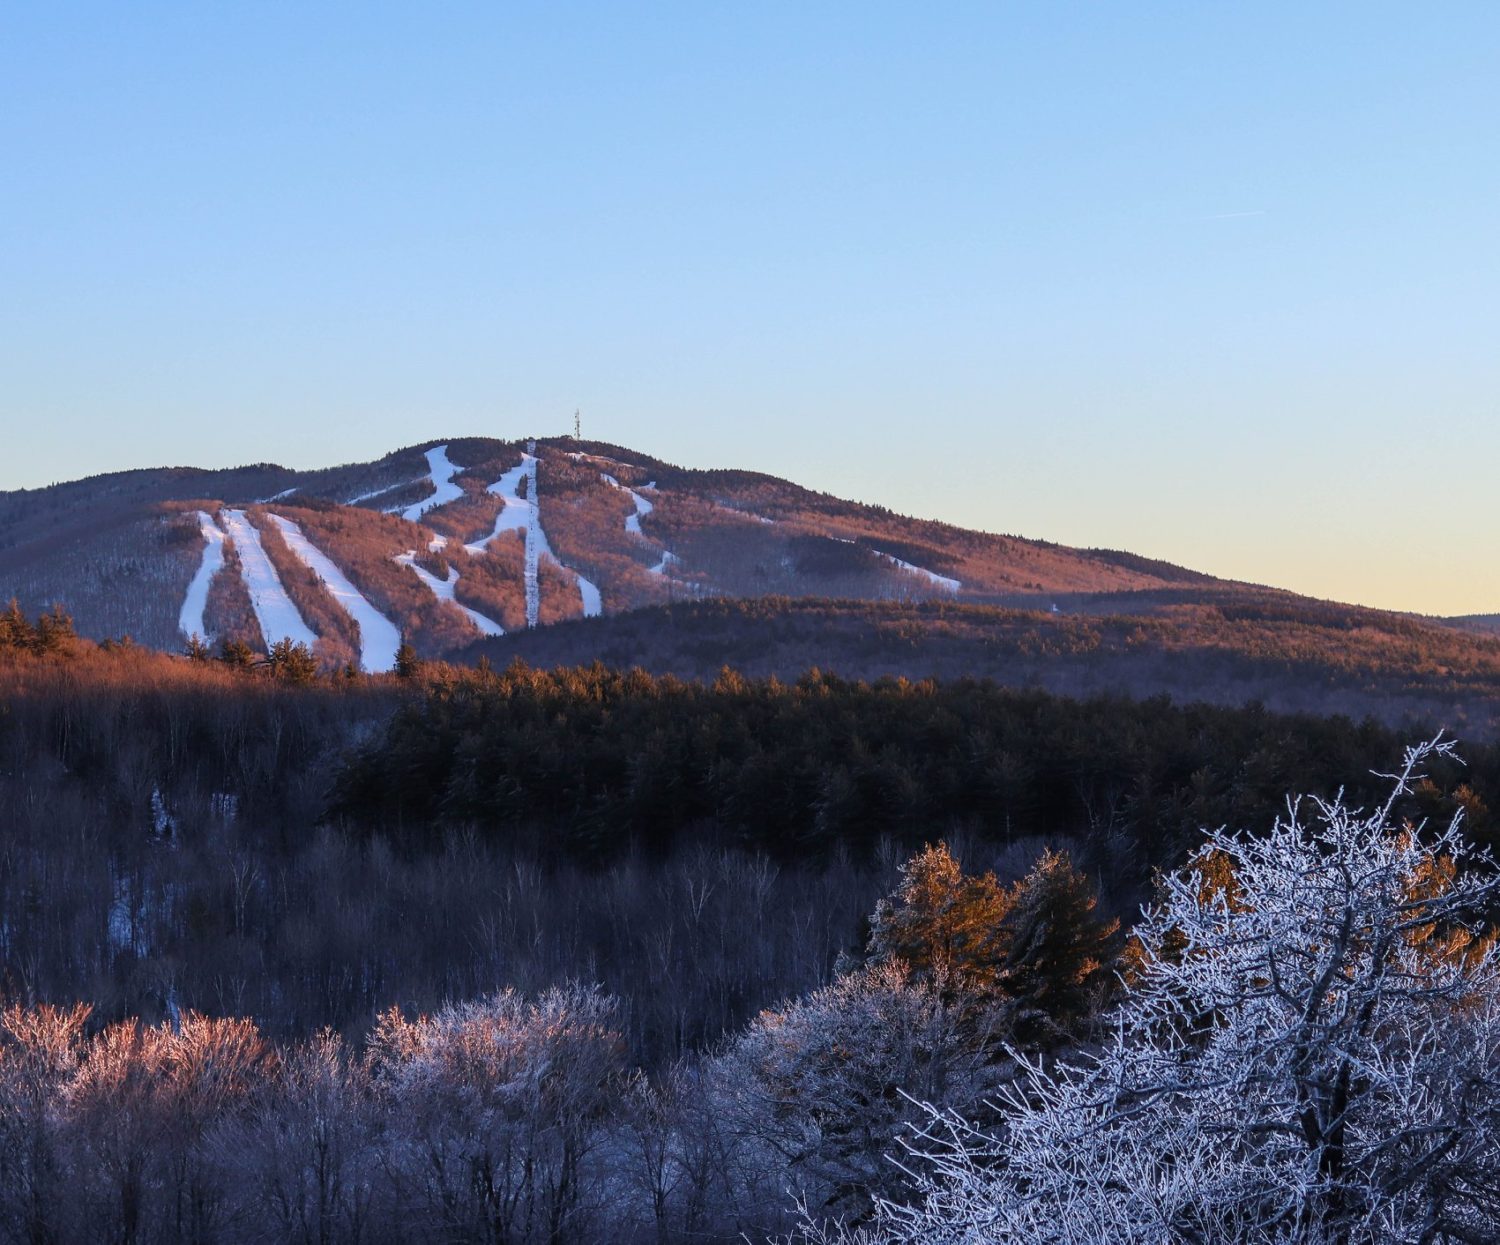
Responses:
[575,953]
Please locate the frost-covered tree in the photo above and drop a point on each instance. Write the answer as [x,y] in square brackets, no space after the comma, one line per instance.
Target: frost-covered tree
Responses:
[816,1092]
[498,1106]
[1307,1051]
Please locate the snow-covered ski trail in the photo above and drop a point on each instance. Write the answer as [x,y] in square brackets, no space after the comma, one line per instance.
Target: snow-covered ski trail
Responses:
[941,581]
[668,560]
[516,516]
[523,514]
[274,610]
[193,619]
[441,472]
[378,637]
[643,507]
[443,589]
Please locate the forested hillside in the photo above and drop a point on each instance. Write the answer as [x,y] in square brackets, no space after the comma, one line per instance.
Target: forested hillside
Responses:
[299,910]
[433,540]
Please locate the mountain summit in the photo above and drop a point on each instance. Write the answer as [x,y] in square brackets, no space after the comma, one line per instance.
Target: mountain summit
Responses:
[449,542]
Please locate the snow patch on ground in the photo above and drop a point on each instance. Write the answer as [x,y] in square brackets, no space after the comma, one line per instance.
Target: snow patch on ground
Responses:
[378,637]
[193,620]
[441,472]
[443,589]
[274,610]
[286,492]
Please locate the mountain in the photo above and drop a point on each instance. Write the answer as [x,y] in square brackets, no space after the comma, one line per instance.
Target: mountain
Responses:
[432,541]
[573,551]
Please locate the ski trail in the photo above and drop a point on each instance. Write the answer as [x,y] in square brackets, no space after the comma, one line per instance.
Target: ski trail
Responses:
[516,517]
[274,610]
[193,619]
[523,514]
[666,563]
[441,472]
[642,506]
[941,581]
[378,637]
[593,603]
[379,492]
[443,589]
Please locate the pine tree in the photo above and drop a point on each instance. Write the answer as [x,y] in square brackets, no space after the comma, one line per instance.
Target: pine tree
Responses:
[236,653]
[940,922]
[292,661]
[196,649]
[407,661]
[1058,950]
[15,630]
[53,629]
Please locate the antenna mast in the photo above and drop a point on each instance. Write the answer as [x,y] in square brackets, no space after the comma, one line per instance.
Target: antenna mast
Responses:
[577,426]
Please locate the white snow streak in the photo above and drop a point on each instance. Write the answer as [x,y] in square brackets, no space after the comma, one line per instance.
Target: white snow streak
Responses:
[378,637]
[193,619]
[441,471]
[516,516]
[593,603]
[941,581]
[274,610]
[443,590]
[633,521]
[381,492]
[642,506]
[667,561]
[521,514]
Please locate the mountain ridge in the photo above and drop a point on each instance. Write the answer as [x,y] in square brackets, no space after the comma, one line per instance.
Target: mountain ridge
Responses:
[700,533]
[473,548]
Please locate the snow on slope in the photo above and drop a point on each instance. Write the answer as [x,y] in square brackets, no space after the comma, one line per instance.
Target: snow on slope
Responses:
[379,492]
[443,590]
[633,522]
[593,603]
[274,610]
[642,506]
[667,561]
[516,516]
[941,581]
[441,471]
[522,514]
[378,637]
[193,618]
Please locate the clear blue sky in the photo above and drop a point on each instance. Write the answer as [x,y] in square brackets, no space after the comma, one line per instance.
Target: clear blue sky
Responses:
[1217,283]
